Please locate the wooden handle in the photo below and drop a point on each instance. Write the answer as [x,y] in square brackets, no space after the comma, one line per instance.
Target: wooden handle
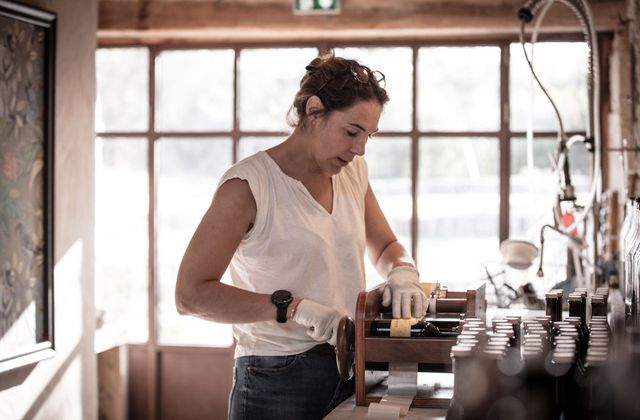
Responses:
[345,351]
[451,305]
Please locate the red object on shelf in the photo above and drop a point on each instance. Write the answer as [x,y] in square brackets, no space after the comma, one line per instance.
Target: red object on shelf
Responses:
[567,220]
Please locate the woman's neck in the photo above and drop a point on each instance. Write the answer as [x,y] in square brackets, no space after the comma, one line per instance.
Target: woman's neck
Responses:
[295,158]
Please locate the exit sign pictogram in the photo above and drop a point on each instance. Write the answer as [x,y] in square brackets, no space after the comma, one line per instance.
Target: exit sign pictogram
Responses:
[316,7]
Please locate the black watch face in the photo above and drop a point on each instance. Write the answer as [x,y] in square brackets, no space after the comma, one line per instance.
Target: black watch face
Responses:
[281,297]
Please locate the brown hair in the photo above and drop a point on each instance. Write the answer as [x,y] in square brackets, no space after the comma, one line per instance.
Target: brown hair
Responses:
[339,83]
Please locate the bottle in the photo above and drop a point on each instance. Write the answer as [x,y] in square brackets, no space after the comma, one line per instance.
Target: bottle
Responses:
[598,306]
[551,302]
[491,358]
[463,360]
[446,320]
[632,241]
[577,311]
[575,305]
[516,322]
[538,390]
[624,231]
[560,294]
[565,370]
[635,265]
[554,304]
[595,378]
[409,328]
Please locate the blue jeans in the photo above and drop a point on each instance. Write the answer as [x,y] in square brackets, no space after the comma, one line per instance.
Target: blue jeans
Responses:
[301,386]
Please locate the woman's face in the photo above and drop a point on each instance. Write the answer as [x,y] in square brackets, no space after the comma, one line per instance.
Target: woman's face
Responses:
[340,136]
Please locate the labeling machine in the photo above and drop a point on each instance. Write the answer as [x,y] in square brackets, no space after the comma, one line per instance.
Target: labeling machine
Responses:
[382,363]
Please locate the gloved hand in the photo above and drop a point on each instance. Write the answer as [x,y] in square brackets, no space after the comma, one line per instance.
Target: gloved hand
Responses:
[321,320]
[404,292]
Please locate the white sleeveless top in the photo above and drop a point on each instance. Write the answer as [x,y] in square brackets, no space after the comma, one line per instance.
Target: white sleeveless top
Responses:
[296,245]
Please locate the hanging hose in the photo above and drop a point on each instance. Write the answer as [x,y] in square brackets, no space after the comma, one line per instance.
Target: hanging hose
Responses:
[534,77]
[582,11]
[534,37]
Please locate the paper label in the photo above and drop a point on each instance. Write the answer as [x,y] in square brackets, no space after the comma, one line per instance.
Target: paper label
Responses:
[429,288]
[383,412]
[401,327]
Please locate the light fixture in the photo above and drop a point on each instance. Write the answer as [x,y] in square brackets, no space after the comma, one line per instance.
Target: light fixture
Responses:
[518,253]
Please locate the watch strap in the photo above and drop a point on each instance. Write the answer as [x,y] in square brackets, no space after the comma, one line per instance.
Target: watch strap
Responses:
[281,314]
[282,299]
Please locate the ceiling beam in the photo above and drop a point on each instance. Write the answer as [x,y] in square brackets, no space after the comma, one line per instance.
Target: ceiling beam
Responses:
[274,19]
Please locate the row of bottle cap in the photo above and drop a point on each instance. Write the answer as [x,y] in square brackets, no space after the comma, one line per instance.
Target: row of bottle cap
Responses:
[599,341]
[475,340]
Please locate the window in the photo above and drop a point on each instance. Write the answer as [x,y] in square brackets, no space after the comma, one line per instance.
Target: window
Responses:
[568,87]
[459,89]
[459,183]
[197,163]
[532,183]
[458,206]
[389,162]
[194,91]
[122,238]
[122,81]
[455,130]
[122,194]
[268,81]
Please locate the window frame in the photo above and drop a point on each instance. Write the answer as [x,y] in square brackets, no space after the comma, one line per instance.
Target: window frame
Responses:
[504,134]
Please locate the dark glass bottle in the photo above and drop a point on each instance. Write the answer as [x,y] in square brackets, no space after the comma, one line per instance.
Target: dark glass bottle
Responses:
[575,306]
[409,328]
[595,373]
[565,371]
[598,305]
[537,392]
[554,304]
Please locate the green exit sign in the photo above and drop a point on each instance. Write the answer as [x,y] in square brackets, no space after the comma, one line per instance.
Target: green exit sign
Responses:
[316,7]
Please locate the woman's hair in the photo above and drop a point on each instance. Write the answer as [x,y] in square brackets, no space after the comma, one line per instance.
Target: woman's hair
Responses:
[339,83]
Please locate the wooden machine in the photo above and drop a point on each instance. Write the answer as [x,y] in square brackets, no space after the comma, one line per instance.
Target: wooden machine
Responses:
[372,354]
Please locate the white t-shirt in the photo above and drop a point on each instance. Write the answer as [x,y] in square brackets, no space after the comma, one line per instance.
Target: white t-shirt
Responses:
[297,245]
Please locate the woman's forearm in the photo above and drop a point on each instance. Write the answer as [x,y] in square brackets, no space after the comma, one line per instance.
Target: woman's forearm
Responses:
[219,302]
[393,255]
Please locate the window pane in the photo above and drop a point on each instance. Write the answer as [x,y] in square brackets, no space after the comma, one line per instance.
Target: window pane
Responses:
[562,69]
[123,84]
[269,80]
[194,90]
[458,205]
[459,89]
[397,65]
[188,173]
[251,145]
[122,238]
[533,185]
[389,161]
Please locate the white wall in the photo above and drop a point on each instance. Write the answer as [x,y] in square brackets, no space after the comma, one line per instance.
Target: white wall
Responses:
[64,387]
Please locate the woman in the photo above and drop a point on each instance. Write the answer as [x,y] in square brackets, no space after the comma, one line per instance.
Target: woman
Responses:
[292,223]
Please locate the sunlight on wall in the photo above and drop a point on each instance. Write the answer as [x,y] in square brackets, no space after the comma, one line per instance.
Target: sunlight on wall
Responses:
[20,333]
[68,302]
[61,404]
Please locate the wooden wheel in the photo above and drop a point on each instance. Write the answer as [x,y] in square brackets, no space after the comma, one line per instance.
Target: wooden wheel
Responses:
[345,347]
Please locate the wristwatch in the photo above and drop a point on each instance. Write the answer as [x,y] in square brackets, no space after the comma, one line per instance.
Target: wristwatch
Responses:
[282,299]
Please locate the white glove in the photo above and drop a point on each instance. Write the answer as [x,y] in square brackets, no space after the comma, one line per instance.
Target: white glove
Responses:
[403,287]
[321,320]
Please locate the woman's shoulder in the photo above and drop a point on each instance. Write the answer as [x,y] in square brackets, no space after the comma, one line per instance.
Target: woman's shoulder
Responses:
[254,164]
[257,170]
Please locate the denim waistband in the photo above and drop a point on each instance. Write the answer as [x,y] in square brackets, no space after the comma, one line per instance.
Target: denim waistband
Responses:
[324,348]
